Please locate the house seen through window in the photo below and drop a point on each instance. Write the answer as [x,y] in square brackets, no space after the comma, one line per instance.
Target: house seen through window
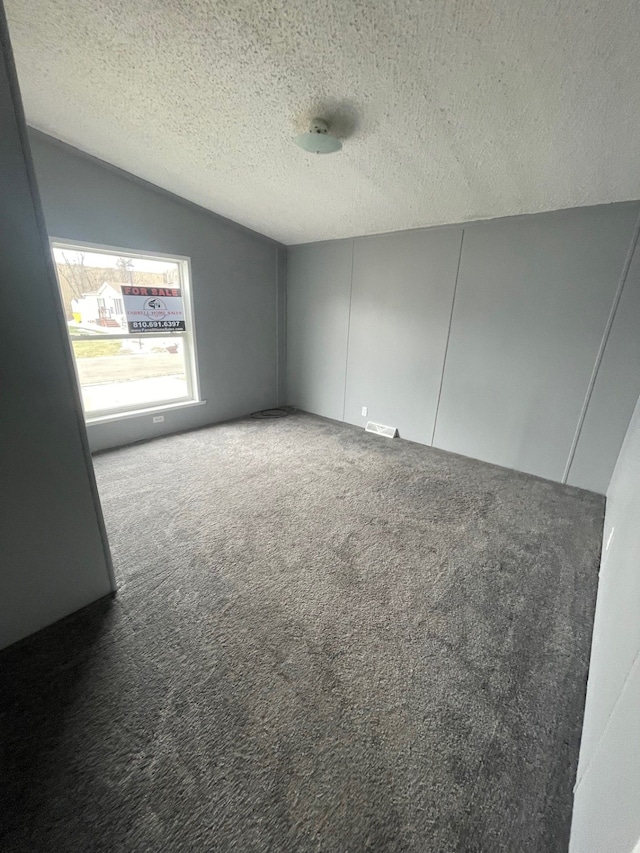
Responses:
[130,325]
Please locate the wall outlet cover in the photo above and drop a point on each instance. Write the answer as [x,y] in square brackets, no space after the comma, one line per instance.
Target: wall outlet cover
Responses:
[365,411]
[158,419]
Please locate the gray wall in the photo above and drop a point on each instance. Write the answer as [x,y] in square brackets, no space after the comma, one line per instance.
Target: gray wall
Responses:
[496,340]
[318,325]
[617,384]
[53,555]
[606,816]
[237,279]
[400,307]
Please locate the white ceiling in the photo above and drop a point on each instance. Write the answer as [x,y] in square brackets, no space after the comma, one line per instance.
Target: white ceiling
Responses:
[454,109]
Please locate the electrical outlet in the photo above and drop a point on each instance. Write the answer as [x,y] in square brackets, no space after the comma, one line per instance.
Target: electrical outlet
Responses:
[158,419]
[365,411]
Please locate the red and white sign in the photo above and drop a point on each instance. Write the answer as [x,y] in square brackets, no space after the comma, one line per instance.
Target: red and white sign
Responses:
[153,309]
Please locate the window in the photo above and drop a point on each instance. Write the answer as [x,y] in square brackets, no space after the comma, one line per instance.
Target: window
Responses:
[129,320]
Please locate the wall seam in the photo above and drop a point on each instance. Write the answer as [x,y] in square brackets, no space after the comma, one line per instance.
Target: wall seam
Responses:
[446,346]
[283,254]
[601,350]
[596,748]
[346,362]
[278,366]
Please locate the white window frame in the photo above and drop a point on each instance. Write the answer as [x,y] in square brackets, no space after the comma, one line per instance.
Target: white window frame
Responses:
[188,336]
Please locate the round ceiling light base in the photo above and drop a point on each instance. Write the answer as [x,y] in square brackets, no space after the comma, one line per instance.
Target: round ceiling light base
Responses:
[318,140]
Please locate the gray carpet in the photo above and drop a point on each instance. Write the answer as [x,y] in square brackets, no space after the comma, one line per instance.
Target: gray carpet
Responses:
[323,641]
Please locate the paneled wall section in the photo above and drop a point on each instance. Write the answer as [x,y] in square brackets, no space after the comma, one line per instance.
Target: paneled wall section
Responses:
[606,818]
[400,310]
[498,340]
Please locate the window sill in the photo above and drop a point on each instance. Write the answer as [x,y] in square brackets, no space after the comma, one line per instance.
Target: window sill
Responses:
[141,413]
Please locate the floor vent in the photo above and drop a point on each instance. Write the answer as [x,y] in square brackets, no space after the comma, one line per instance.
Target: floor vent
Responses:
[381,429]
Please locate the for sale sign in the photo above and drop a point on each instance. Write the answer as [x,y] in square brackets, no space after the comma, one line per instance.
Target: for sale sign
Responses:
[153,309]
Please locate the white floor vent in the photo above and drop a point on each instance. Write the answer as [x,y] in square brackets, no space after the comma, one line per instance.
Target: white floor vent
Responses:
[381,429]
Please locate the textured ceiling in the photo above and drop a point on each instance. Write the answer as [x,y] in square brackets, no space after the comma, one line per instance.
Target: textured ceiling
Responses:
[453,110]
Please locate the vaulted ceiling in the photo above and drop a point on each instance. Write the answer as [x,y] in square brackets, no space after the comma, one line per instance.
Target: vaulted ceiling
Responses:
[449,110]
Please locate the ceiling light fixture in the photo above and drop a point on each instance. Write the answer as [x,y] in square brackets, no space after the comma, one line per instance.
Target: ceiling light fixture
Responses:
[318,140]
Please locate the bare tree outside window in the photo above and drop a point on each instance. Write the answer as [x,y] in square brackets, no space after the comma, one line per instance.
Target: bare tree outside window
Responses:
[125,265]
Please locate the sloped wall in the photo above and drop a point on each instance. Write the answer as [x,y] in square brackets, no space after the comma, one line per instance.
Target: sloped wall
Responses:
[53,552]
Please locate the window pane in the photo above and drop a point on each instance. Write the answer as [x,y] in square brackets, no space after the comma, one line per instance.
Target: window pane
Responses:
[131,373]
[91,286]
